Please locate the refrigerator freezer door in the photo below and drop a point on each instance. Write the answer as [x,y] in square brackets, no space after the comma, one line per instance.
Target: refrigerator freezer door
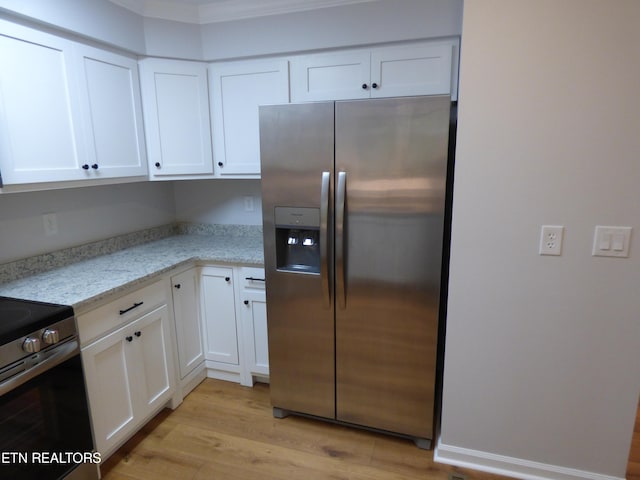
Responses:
[392,154]
[296,143]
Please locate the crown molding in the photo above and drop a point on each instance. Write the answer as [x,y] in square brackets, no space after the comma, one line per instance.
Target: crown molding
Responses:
[224,10]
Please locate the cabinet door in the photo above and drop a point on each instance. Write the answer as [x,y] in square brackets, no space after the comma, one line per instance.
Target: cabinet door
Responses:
[154,362]
[254,317]
[411,70]
[219,315]
[41,137]
[335,76]
[238,89]
[112,113]
[109,388]
[175,101]
[187,317]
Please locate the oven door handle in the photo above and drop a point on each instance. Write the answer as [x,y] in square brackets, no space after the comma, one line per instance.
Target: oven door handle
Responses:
[60,354]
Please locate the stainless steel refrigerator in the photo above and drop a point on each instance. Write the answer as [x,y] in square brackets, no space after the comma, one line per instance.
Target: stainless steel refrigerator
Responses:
[353,197]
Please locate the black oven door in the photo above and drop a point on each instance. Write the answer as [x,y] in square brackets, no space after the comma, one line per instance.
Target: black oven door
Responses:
[45,431]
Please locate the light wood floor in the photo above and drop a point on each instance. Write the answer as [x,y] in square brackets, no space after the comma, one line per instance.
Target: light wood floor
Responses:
[633,468]
[225,431]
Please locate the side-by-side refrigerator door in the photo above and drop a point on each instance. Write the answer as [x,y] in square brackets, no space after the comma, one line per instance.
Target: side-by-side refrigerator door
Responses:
[296,150]
[391,163]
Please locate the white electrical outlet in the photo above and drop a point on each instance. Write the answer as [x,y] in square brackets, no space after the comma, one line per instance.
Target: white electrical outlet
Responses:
[551,239]
[50,222]
[248,203]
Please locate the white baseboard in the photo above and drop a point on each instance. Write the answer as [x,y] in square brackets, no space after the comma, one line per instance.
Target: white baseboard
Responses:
[510,466]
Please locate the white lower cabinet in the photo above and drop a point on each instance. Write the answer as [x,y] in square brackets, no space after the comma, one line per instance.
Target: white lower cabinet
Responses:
[235,323]
[221,329]
[134,365]
[129,372]
[254,322]
[188,325]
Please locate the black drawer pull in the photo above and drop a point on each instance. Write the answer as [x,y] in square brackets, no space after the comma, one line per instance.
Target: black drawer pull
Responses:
[246,302]
[253,279]
[138,333]
[135,305]
[226,279]
[128,338]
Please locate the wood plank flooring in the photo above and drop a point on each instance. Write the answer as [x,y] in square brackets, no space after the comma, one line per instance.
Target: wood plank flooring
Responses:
[226,431]
[633,468]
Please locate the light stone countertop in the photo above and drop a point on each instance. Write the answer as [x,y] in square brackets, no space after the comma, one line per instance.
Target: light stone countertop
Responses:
[80,284]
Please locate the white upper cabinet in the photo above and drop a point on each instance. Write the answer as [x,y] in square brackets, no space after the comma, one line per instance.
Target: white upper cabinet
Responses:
[112,114]
[426,68]
[68,111]
[237,89]
[41,134]
[332,76]
[175,99]
[418,70]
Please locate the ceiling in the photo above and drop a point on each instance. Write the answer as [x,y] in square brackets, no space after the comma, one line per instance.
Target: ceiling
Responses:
[211,11]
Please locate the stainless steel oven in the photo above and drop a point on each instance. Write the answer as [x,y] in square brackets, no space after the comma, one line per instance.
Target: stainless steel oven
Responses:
[45,430]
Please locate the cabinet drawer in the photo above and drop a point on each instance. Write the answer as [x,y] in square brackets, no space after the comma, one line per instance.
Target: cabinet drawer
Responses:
[252,278]
[118,312]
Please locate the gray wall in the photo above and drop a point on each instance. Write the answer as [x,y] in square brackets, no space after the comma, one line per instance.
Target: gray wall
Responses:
[350,25]
[543,353]
[84,215]
[164,38]
[218,201]
[97,19]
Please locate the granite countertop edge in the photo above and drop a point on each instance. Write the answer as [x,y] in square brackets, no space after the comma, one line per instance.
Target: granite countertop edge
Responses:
[86,283]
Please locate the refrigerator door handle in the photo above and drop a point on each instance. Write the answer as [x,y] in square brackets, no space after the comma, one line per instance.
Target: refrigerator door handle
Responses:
[341,192]
[324,225]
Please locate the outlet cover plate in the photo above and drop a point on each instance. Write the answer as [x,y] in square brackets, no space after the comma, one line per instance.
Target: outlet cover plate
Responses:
[551,239]
[50,223]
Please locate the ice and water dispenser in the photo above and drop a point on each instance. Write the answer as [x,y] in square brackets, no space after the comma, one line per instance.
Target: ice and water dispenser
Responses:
[297,239]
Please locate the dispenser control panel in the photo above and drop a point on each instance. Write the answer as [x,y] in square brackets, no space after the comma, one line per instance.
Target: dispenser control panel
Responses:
[297,239]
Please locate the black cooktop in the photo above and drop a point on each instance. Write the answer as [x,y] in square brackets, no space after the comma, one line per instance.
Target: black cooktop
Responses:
[21,317]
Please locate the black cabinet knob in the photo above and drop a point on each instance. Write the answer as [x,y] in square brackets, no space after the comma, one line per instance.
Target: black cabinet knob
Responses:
[220,164]
[226,279]
[128,338]
[85,167]
[157,164]
[177,285]
[374,85]
[94,166]
[246,302]
[365,86]
[138,333]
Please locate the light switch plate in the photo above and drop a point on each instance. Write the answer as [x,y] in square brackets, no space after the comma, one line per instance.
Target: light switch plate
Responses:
[611,241]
